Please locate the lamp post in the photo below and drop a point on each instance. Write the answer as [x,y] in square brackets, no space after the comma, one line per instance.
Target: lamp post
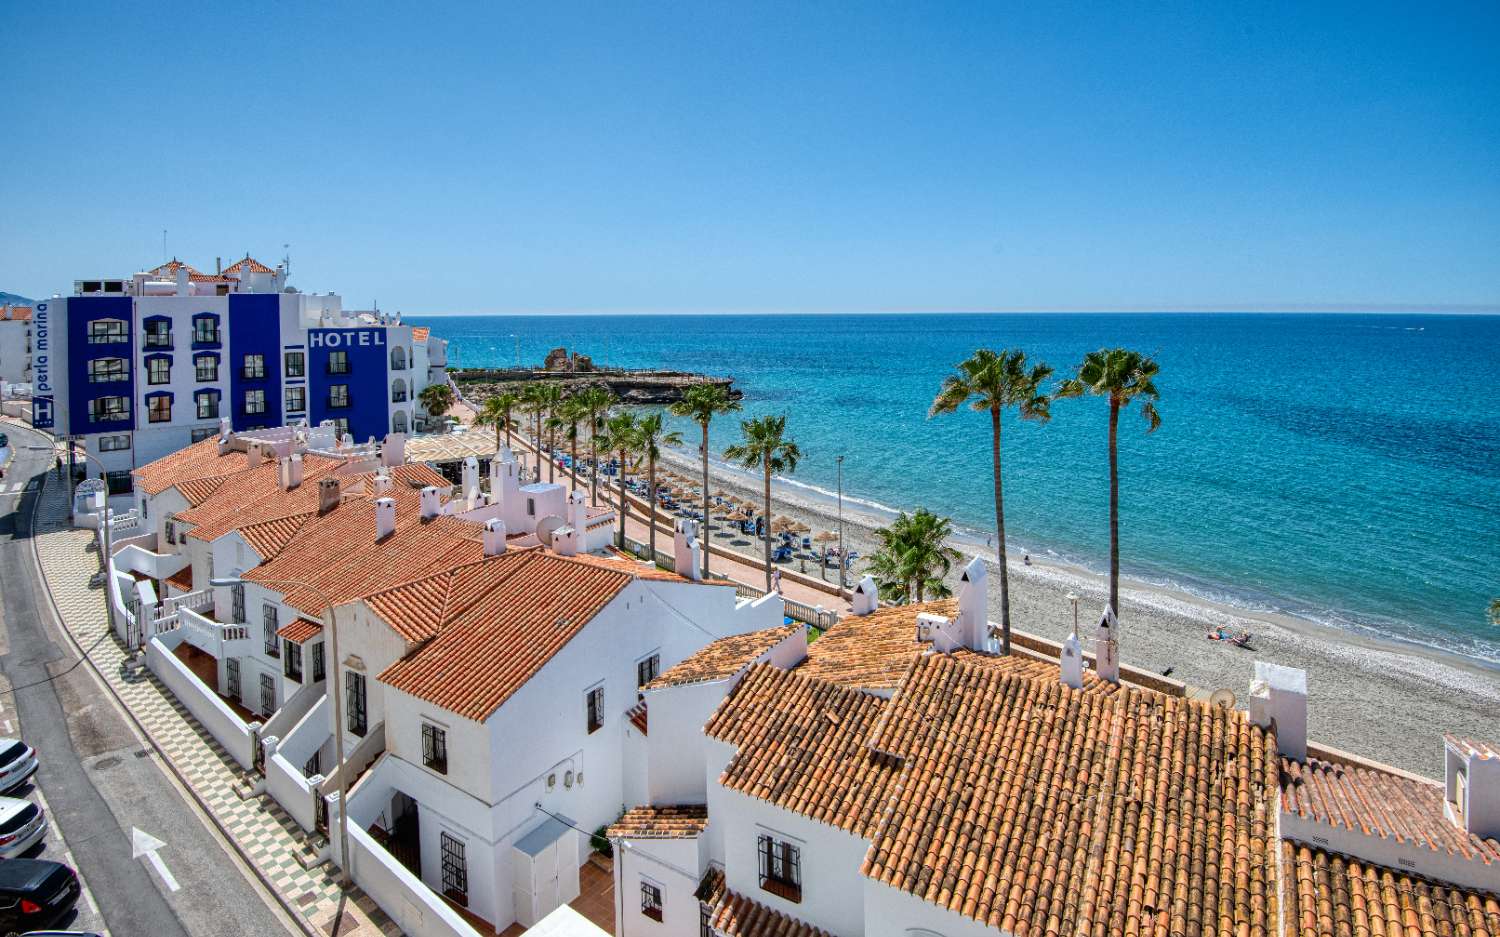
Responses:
[1074,599]
[329,622]
[840,462]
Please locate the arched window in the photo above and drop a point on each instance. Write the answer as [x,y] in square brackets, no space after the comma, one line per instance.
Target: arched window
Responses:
[398,391]
[398,358]
[398,421]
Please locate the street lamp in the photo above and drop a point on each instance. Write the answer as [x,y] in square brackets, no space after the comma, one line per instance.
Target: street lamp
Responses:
[329,622]
[104,556]
[1074,599]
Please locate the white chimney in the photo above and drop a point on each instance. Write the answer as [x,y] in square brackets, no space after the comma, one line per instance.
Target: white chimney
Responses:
[687,555]
[432,506]
[494,537]
[973,606]
[1472,786]
[1071,662]
[291,472]
[385,517]
[945,634]
[866,597]
[252,455]
[1278,699]
[578,510]
[183,284]
[470,477]
[565,541]
[394,451]
[328,494]
[224,428]
[381,483]
[1107,646]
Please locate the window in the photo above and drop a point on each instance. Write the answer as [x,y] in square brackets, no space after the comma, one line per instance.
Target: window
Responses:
[313,766]
[268,622]
[255,401]
[780,867]
[296,399]
[232,674]
[398,358]
[398,391]
[107,331]
[354,702]
[158,333]
[159,370]
[455,869]
[237,604]
[291,664]
[205,330]
[201,434]
[119,483]
[114,443]
[106,409]
[651,900]
[255,366]
[267,694]
[159,408]
[705,920]
[108,370]
[208,405]
[338,362]
[207,367]
[317,656]
[595,706]
[338,395]
[646,670]
[296,364]
[434,748]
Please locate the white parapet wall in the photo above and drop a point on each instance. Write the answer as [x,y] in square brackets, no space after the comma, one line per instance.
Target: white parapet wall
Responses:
[211,712]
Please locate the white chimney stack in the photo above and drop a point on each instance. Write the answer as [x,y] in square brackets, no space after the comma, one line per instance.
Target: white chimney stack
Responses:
[381,483]
[328,494]
[866,597]
[431,504]
[385,517]
[394,451]
[1471,781]
[973,606]
[494,537]
[1107,646]
[252,455]
[224,429]
[291,472]
[1278,698]
[565,541]
[470,477]
[578,510]
[687,554]
[1071,662]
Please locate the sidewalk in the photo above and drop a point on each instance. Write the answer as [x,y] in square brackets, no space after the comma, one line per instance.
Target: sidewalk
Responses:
[263,833]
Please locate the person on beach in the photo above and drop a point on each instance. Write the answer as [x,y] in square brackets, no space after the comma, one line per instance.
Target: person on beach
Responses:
[776,581]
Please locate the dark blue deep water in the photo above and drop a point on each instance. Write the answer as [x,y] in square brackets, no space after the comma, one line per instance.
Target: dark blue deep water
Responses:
[1342,467]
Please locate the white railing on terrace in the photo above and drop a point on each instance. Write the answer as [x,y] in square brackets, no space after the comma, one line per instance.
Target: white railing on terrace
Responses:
[208,635]
[124,523]
[198,601]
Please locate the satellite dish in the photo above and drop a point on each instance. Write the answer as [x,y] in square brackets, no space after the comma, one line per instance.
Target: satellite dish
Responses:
[1222,698]
[548,526]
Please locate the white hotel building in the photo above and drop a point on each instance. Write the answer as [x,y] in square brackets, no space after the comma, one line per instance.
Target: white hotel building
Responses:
[141,367]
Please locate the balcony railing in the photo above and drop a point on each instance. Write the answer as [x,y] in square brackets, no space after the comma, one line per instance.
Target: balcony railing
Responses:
[157,341]
[214,637]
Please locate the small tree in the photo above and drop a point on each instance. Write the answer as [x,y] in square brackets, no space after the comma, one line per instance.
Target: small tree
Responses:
[914,557]
[437,399]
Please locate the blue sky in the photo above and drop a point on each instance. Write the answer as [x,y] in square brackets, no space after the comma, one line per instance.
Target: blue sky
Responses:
[745,157]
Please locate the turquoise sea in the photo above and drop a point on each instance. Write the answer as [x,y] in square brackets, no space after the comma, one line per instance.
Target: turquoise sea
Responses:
[1342,467]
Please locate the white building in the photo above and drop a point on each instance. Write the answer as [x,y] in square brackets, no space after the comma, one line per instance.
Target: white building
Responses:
[15,348]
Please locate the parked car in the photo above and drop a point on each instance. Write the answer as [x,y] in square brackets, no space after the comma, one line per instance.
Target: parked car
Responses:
[35,893]
[23,824]
[17,763]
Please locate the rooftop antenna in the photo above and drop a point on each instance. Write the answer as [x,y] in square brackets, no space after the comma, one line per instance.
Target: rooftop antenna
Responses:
[163,245]
[286,258]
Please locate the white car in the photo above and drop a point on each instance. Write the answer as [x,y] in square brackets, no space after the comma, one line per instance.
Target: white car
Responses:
[22,825]
[17,763]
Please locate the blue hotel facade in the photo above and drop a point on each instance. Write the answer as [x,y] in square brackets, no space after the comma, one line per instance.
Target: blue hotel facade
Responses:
[137,377]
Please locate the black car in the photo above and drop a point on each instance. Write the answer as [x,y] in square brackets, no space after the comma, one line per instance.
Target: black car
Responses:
[35,893]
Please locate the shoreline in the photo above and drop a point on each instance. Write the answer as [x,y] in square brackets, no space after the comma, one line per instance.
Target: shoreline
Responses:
[1383,698]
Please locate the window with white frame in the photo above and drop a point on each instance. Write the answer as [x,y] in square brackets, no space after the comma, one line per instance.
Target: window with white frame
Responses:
[338,396]
[108,370]
[115,443]
[647,669]
[254,366]
[206,367]
[159,370]
[109,409]
[296,364]
[338,362]
[255,401]
[296,399]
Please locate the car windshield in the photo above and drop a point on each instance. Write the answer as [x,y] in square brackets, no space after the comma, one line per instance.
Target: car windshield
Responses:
[11,752]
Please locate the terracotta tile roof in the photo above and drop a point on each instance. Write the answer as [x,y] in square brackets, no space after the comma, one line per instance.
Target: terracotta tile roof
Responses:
[1475,747]
[208,278]
[299,629]
[170,268]
[872,651]
[199,490]
[723,658]
[420,608]
[1329,895]
[639,718]
[665,822]
[1384,803]
[419,333]
[254,495]
[1021,665]
[268,537]
[1038,809]
[506,634]
[734,915]
[182,579]
[16,313]
[801,746]
[200,460]
[250,264]
[633,567]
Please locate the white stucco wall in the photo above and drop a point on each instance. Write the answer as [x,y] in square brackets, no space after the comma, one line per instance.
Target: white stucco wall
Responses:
[675,866]
[890,912]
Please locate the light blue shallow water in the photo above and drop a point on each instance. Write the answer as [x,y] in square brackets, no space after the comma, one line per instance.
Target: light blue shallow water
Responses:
[1341,467]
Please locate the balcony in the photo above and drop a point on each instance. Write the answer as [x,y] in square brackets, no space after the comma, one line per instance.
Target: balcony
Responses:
[157,341]
[212,637]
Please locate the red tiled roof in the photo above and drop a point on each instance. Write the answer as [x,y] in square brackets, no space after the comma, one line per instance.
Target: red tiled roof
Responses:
[639,717]
[268,537]
[1331,895]
[170,268]
[198,461]
[665,822]
[1475,747]
[872,651]
[255,495]
[208,278]
[182,579]
[199,490]
[634,567]
[249,263]
[1383,803]
[734,915]
[723,658]
[419,333]
[506,634]
[15,313]
[300,629]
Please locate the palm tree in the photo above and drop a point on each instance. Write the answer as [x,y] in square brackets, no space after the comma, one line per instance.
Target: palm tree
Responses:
[766,447]
[571,412]
[701,403]
[533,403]
[995,381]
[596,400]
[436,399]
[914,556]
[549,396]
[651,435]
[622,436]
[1121,375]
[496,413]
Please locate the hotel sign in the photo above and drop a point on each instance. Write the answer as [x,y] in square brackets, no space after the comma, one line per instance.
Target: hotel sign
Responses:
[42,390]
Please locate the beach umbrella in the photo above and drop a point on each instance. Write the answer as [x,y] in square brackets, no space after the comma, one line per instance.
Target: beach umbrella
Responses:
[800,527]
[826,536]
[737,516]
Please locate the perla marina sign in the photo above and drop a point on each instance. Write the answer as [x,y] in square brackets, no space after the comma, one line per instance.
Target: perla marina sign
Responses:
[41,366]
[344,338]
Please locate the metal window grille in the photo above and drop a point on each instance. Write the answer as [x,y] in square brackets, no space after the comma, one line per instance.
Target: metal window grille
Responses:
[255,366]
[255,401]
[237,604]
[435,748]
[313,765]
[596,709]
[651,901]
[207,367]
[317,655]
[780,867]
[267,694]
[705,920]
[295,366]
[455,869]
[338,362]
[268,622]
[354,702]
[646,670]
[292,663]
[232,672]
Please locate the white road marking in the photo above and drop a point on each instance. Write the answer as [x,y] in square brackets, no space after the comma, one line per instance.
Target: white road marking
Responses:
[145,845]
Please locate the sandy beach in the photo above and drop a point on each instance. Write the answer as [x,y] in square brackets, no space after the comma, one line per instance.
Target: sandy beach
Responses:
[1386,700]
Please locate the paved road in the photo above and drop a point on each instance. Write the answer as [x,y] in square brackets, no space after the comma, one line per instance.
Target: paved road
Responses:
[100,779]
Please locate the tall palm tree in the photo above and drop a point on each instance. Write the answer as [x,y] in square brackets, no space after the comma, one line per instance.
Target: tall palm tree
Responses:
[596,400]
[914,557]
[621,435]
[651,435]
[436,399]
[496,412]
[534,404]
[701,403]
[996,381]
[766,447]
[571,412]
[1121,375]
[548,398]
